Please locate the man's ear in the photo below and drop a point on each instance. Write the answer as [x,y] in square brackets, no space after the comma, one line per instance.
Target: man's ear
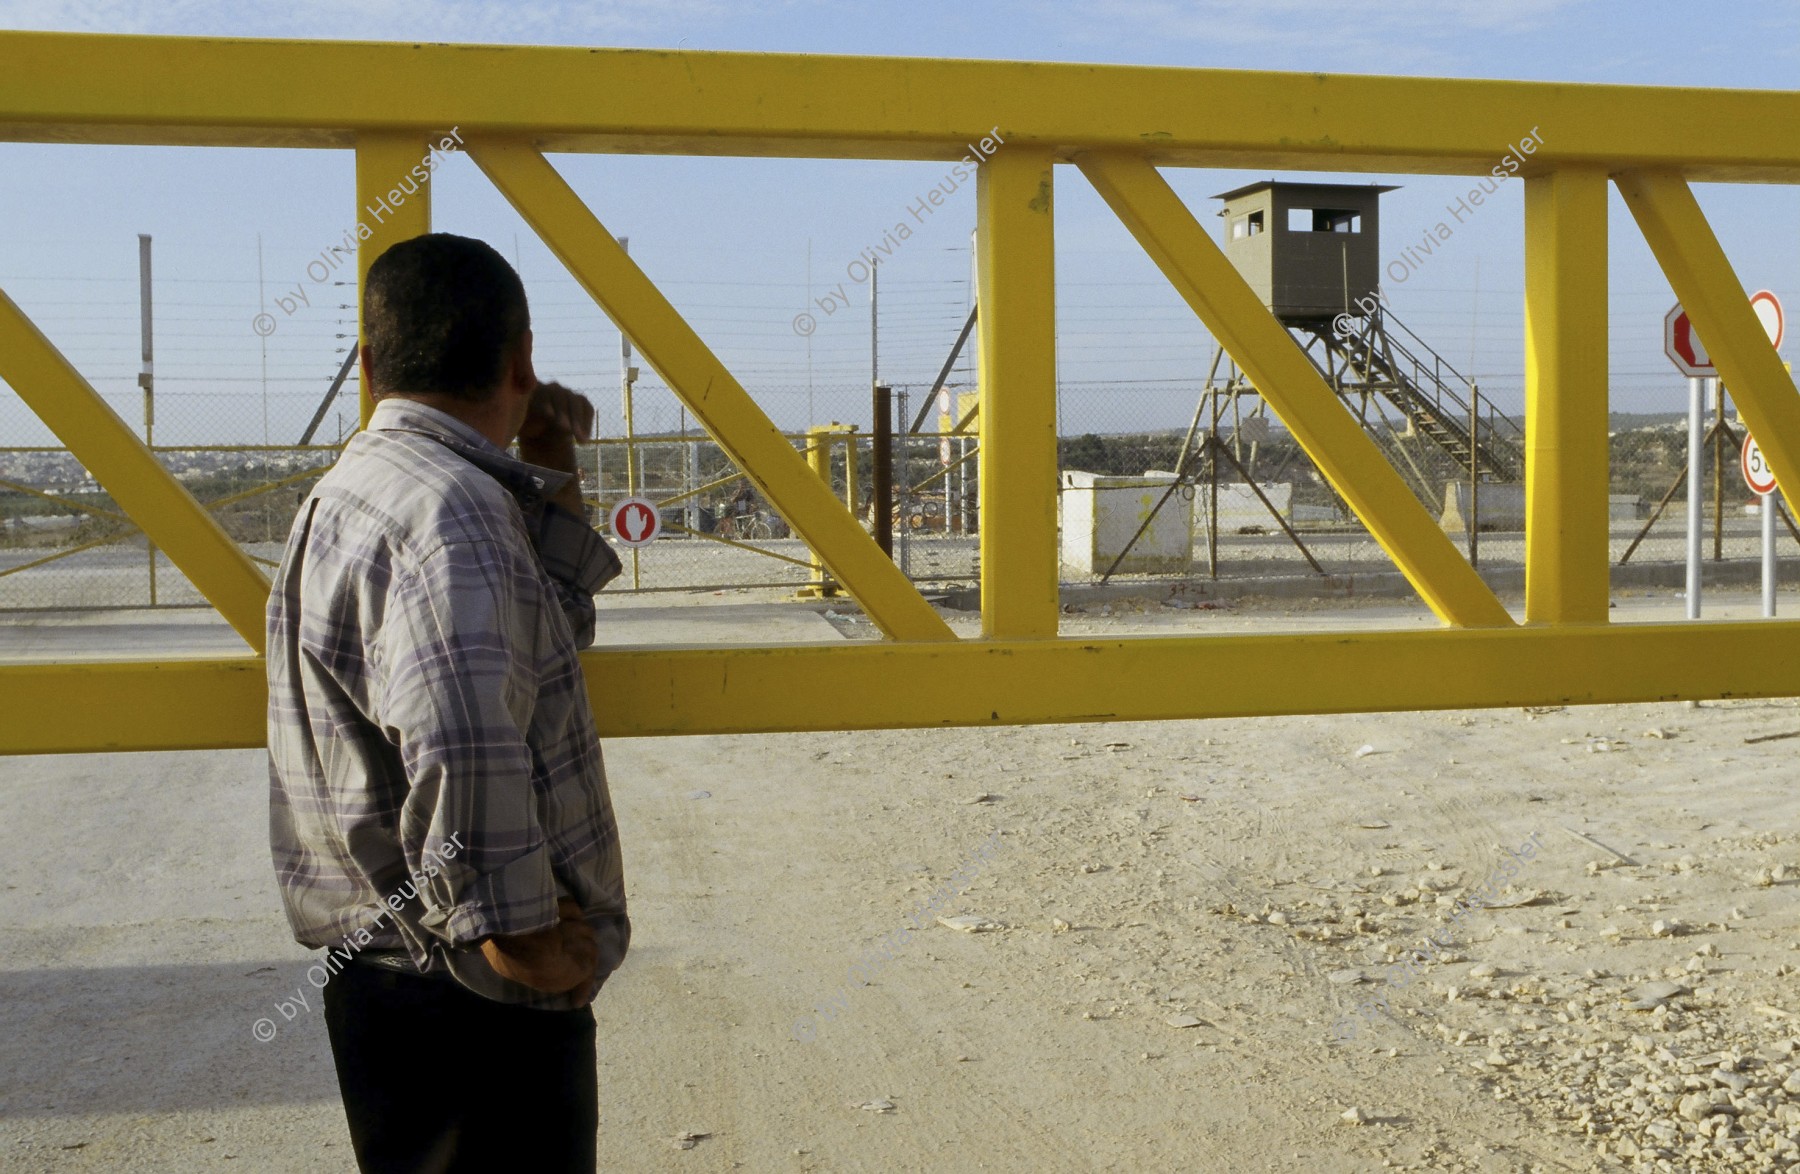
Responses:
[363,361]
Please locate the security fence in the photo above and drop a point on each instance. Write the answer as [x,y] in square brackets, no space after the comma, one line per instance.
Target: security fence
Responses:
[1247,504]
[1250,504]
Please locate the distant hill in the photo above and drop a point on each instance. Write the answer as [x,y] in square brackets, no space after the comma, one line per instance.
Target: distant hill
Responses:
[1631,421]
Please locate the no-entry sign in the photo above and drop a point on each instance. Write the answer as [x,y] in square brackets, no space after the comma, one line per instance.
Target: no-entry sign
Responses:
[1757,474]
[635,521]
[1685,349]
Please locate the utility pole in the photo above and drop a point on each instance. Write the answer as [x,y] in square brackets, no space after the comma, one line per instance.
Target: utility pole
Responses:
[147,376]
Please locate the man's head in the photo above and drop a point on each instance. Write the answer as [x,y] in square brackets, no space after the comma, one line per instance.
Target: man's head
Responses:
[444,316]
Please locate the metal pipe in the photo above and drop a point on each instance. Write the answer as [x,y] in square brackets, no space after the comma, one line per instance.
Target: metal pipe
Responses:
[881,493]
[903,504]
[1718,469]
[1696,503]
[627,376]
[1767,510]
[147,377]
[944,372]
[331,392]
[1474,476]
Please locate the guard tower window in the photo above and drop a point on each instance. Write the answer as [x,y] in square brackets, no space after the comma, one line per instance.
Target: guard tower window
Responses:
[1323,220]
[1247,225]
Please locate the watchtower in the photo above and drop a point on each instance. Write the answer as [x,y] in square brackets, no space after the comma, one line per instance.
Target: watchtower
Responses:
[1311,251]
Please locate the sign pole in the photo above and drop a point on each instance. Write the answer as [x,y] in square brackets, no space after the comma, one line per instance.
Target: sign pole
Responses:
[1762,483]
[1695,502]
[1768,553]
[1688,353]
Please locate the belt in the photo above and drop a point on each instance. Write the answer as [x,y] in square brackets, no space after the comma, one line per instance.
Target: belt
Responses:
[400,961]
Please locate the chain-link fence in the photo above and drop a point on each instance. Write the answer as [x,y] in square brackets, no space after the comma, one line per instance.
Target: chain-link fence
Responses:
[64,542]
[1158,481]
[1249,503]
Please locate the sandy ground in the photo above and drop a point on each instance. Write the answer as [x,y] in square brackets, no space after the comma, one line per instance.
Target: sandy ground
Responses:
[1174,924]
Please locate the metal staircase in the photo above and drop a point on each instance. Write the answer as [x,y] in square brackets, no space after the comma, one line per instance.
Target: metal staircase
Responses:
[1377,361]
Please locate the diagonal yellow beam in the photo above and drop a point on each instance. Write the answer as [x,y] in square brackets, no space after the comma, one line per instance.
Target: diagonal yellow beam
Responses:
[710,391]
[105,445]
[1709,290]
[1286,378]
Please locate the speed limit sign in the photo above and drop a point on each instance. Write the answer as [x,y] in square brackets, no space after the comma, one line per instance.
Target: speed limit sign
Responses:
[1757,474]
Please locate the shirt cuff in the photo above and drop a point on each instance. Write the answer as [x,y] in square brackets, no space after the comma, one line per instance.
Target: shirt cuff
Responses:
[574,551]
[518,898]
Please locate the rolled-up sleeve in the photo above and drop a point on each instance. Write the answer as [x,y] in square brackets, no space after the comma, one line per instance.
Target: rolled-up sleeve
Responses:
[457,681]
[579,562]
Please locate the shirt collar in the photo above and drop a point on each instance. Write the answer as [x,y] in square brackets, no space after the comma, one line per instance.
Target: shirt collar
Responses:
[527,481]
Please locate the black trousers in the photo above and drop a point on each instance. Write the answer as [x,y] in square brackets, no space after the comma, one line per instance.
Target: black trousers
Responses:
[438,1080]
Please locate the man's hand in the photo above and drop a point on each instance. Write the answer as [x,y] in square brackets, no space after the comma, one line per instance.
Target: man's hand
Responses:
[579,937]
[562,958]
[556,419]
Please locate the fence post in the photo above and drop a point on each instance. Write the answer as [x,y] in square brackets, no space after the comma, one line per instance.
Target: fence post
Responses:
[881,492]
[903,496]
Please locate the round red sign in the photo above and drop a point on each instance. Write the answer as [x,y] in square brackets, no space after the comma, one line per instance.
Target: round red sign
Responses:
[635,522]
[1757,474]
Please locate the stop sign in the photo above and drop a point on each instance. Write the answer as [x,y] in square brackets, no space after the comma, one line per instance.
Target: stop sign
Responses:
[1688,353]
[1683,346]
[635,521]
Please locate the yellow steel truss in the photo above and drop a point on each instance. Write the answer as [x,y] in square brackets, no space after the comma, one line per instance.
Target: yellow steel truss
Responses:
[853,685]
[160,505]
[510,105]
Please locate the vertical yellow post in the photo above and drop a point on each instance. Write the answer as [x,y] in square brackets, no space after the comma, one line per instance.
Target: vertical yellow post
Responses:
[1566,459]
[384,172]
[1015,280]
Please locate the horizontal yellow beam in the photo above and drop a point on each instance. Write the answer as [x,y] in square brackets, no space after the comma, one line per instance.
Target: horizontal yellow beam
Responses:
[80,707]
[87,88]
[1294,389]
[715,397]
[653,692]
[106,446]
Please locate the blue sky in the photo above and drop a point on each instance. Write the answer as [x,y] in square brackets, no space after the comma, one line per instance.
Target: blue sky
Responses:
[734,242]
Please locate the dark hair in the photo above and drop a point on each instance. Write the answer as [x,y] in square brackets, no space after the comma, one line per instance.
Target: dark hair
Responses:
[441,313]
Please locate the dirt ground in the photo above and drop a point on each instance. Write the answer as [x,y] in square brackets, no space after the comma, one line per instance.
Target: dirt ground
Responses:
[1159,940]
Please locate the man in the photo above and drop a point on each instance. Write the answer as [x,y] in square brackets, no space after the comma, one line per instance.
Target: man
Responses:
[439,814]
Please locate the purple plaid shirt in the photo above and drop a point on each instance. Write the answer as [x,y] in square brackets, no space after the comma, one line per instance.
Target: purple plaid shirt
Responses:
[425,693]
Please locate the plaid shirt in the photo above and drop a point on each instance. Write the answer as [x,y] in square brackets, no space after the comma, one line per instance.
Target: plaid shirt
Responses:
[430,739]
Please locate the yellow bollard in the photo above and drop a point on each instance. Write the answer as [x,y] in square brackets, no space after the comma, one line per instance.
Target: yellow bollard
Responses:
[820,440]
